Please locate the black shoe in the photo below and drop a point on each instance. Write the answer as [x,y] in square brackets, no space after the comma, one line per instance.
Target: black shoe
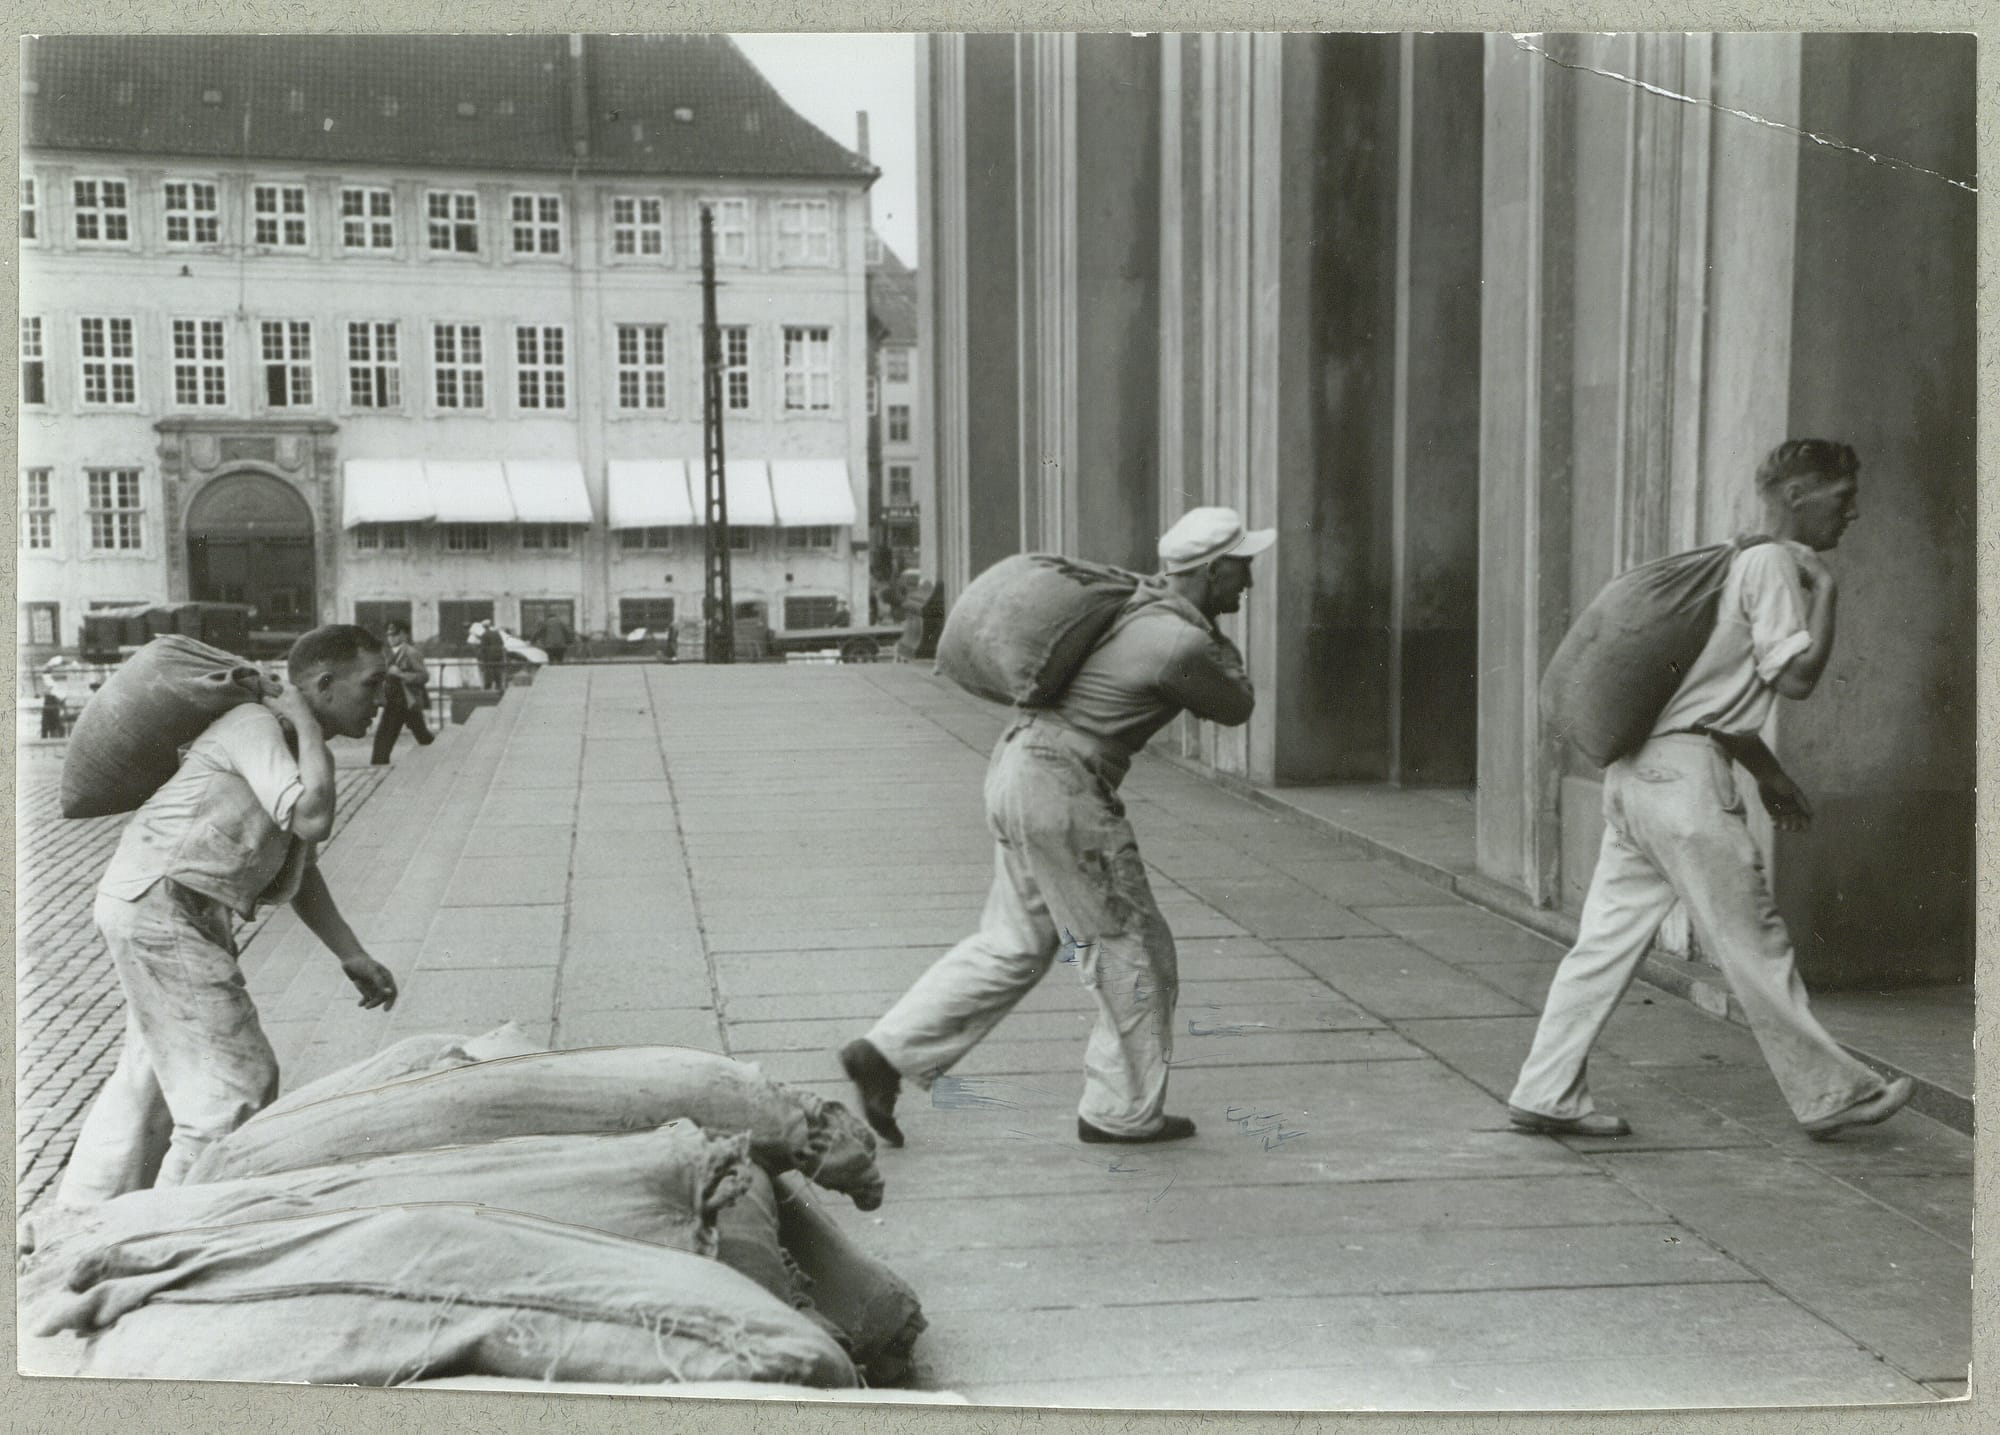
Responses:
[1172,1128]
[877,1082]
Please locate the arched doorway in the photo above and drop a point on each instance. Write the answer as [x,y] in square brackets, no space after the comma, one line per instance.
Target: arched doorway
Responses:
[250,540]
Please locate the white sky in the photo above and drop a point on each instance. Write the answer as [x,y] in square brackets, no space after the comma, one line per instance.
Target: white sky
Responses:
[826,78]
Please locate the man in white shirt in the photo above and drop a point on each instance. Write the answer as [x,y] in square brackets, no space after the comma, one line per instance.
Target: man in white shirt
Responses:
[1674,828]
[238,826]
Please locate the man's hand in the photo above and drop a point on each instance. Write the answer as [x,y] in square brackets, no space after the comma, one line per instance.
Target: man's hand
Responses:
[1783,799]
[373,980]
[291,707]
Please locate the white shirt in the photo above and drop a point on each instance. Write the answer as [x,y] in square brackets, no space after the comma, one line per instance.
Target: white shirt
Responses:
[1760,625]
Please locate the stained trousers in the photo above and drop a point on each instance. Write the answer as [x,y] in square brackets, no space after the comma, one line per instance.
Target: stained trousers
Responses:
[1674,829]
[1067,879]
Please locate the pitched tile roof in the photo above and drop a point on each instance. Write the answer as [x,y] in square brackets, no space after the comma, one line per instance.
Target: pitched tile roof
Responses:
[892,302]
[685,105]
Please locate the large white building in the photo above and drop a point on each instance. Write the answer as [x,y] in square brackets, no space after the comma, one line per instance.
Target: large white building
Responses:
[347,327]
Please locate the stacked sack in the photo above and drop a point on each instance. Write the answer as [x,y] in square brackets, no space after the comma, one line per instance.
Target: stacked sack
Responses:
[474,1208]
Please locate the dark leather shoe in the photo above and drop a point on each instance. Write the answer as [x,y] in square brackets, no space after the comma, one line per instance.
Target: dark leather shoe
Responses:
[1172,1128]
[1594,1123]
[877,1082]
[1879,1107]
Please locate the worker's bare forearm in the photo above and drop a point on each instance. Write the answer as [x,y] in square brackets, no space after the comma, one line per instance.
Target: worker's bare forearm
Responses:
[1802,674]
[316,908]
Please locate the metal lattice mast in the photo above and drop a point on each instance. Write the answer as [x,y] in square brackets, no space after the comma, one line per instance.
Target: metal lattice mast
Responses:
[718,606]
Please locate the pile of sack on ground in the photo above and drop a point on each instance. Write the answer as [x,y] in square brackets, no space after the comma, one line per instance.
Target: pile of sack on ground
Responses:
[457,1208]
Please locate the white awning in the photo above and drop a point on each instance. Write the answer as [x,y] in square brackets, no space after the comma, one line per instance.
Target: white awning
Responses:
[378,490]
[469,491]
[548,491]
[748,484]
[649,493]
[811,493]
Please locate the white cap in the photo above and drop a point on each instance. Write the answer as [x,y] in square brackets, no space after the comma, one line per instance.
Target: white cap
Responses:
[1205,534]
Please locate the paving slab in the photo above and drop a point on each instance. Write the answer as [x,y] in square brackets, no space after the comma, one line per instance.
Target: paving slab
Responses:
[660,1026]
[1394,979]
[1461,933]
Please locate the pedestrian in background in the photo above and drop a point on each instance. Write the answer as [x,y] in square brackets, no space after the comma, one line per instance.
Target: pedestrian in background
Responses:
[1067,869]
[237,827]
[492,655]
[1674,828]
[405,694]
[553,636]
[52,713]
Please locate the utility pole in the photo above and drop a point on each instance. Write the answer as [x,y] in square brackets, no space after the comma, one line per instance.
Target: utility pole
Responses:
[718,607]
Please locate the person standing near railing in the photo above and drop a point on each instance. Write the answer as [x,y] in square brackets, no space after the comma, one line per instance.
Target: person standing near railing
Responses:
[405,694]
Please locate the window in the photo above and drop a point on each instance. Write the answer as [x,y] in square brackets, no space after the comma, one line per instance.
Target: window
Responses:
[453,218]
[656,615]
[537,223]
[381,538]
[38,509]
[874,393]
[812,612]
[377,616]
[742,540]
[34,377]
[101,211]
[116,515]
[895,366]
[44,623]
[458,363]
[278,215]
[808,369]
[736,367]
[637,225]
[110,373]
[193,215]
[899,423]
[545,538]
[539,376]
[467,538]
[805,231]
[536,611]
[873,250]
[288,370]
[633,539]
[457,615]
[374,372]
[31,212]
[900,488]
[642,366]
[816,537]
[367,219]
[201,368]
[732,230]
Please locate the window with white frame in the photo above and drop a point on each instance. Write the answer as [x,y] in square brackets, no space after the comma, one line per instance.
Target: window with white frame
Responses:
[31,211]
[367,218]
[115,509]
[873,249]
[633,539]
[642,366]
[201,364]
[537,223]
[110,369]
[34,371]
[638,224]
[540,373]
[458,366]
[545,537]
[452,219]
[901,489]
[101,211]
[44,622]
[808,369]
[805,231]
[38,509]
[467,537]
[381,537]
[819,537]
[736,367]
[895,366]
[288,365]
[278,216]
[192,211]
[732,230]
[374,365]
[898,423]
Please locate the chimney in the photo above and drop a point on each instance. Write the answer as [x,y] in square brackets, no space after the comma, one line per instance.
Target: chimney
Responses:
[861,132]
[579,101]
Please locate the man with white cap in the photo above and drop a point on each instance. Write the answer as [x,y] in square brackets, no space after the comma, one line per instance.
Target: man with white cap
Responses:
[1068,876]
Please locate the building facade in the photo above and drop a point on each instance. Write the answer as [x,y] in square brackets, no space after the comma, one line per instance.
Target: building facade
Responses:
[1477,323]
[355,327]
[897,477]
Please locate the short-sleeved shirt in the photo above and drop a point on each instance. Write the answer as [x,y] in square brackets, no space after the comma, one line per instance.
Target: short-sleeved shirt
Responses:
[1760,625]
[221,825]
[1162,657]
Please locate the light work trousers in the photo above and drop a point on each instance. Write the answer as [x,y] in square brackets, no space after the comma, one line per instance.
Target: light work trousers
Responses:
[196,1064]
[1068,880]
[1674,829]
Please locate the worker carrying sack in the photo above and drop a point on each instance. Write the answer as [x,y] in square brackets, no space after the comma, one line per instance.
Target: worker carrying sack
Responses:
[1628,652]
[1021,629]
[127,740]
[606,1088]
